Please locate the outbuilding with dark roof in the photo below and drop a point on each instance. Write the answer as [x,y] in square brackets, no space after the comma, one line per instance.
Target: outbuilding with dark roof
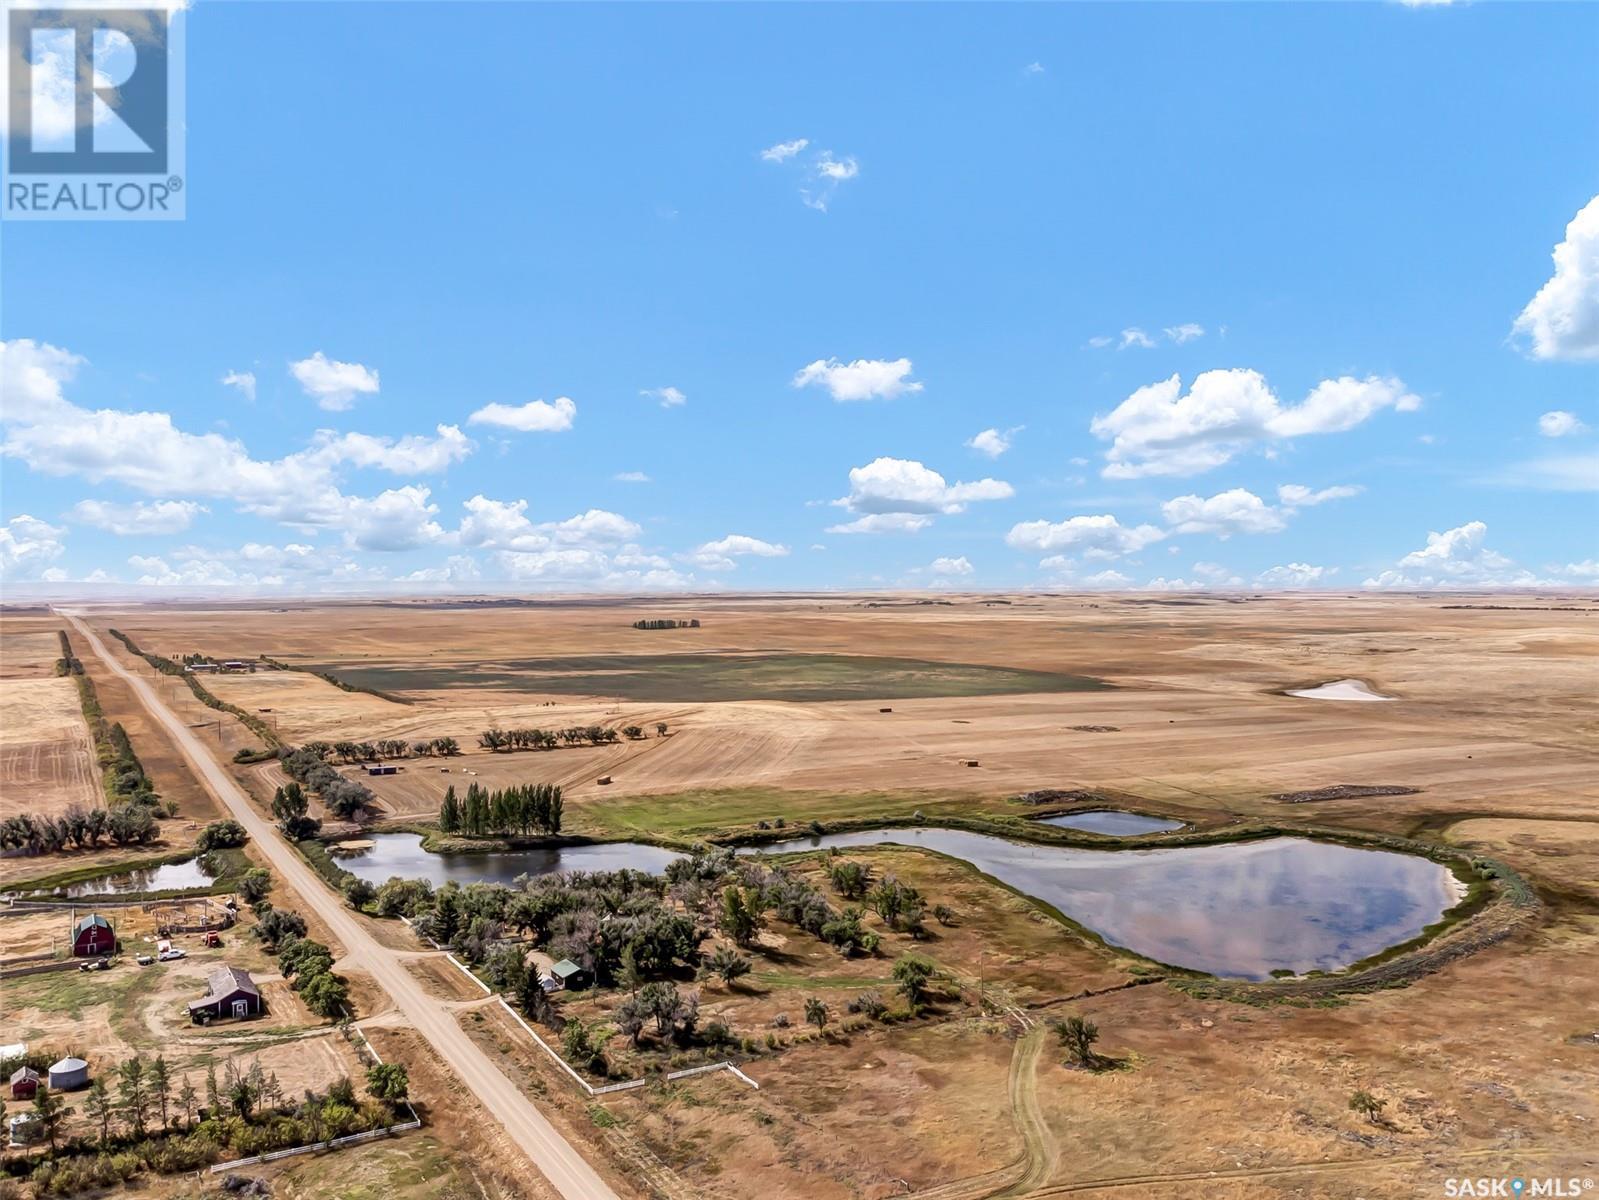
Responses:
[230,992]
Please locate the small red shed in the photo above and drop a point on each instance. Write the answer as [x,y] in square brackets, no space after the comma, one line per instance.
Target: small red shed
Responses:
[24,1083]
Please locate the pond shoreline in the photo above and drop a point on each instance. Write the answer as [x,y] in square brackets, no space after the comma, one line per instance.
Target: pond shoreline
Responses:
[1486,887]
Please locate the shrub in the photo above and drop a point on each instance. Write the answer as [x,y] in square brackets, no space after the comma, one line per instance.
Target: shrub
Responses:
[221,835]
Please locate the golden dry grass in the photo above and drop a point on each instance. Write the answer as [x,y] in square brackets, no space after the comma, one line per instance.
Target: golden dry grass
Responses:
[46,759]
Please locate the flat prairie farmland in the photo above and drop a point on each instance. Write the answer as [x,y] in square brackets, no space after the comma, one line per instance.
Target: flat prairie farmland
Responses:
[1177,701]
[1462,728]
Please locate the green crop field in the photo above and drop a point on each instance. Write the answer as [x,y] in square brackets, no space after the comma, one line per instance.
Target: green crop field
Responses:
[712,677]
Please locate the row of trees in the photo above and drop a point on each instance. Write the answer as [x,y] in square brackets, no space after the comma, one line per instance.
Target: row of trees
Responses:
[80,828]
[307,964]
[667,623]
[150,1121]
[374,751]
[166,666]
[526,809]
[307,766]
[125,779]
[497,740]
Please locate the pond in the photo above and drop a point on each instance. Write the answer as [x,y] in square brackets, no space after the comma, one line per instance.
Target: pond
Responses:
[402,854]
[1240,910]
[1112,822]
[168,877]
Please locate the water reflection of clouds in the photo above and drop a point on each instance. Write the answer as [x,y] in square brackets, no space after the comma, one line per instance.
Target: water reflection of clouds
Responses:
[1242,910]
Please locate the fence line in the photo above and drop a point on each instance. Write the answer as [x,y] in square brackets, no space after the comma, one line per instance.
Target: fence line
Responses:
[334,1144]
[468,973]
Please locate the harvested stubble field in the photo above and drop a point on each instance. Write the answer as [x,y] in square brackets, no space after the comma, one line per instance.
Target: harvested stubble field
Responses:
[47,761]
[1487,1065]
[162,762]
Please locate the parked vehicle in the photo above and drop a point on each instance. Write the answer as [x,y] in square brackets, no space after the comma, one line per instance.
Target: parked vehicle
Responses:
[98,964]
[213,938]
[144,960]
[170,953]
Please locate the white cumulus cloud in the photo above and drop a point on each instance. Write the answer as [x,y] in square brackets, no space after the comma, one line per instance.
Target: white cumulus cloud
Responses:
[244,381]
[669,397]
[1294,575]
[27,546]
[1562,320]
[910,493]
[1456,558]
[719,555]
[1101,536]
[863,379]
[536,416]
[1558,424]
[1162,430]
[137,518]
[993,442]
[951,568]
[1224,514]
[884,523]
[332,384]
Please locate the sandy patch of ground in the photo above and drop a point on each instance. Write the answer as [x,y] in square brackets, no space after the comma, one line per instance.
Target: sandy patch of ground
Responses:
[1340,689]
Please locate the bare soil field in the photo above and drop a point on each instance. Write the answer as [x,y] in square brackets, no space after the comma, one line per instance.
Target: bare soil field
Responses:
[1488,1065]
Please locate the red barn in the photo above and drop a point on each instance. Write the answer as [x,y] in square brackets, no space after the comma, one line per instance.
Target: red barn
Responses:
[92,937]
[24,1084]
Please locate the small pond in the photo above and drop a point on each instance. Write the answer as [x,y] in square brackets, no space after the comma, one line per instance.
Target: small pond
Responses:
[168,877]
[1112,822]
[402,854]
[1240,910]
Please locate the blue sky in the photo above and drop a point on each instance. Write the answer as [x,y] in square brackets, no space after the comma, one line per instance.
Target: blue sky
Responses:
[1256,295]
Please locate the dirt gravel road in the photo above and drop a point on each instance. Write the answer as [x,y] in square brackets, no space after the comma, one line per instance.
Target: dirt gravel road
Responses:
[549,1152]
